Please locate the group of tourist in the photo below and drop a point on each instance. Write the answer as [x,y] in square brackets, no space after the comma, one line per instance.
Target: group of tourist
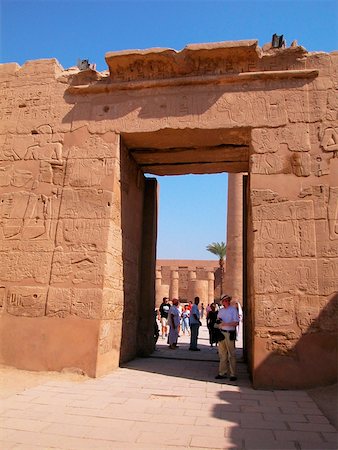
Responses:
[221,322]
[175,318]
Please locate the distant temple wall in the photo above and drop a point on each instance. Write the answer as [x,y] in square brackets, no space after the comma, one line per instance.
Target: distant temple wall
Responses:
[200,270]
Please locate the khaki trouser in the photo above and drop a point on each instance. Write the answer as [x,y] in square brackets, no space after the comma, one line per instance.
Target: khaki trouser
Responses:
[227,356]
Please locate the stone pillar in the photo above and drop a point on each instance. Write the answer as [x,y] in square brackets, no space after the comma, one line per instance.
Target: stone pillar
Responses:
[145,340]
[173,291]
[234,264]
[201,290]
[191,285]
[158,286]
[211,287]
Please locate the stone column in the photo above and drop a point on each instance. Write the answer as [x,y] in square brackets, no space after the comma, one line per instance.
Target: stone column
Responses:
[234,264]
[173,292]
[158,285]
[191,285]
[201,290]
[211,287]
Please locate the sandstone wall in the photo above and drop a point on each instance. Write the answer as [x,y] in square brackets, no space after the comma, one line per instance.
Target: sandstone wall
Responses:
[73,149]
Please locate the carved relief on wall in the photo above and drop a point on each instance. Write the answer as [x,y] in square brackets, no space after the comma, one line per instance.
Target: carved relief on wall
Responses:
[332,210]
[285,230]
[110,336]
[84,303]
[329,141]
[301,164]
[78,267]
[27,216]
[40,146]
[252,109]
[274,311]
[278,341]
[113,303]
[29,301]
[83,234]
[2,298]
[327,273]
[307,311]
[269,163]
[299,274]
[89,204]
[88,172]
[28,266]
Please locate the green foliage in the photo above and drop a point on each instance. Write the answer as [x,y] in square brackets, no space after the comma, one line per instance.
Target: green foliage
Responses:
[218,249]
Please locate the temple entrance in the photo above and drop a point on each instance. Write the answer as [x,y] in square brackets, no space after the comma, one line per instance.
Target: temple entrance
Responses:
[189,151]
[79,218]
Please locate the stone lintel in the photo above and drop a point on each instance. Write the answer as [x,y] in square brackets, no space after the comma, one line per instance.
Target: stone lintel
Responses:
[105,87]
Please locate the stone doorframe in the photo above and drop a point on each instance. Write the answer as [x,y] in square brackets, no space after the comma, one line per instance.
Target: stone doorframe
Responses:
[79,218]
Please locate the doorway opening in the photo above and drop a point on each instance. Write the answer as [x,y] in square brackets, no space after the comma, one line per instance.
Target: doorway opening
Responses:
[193,153]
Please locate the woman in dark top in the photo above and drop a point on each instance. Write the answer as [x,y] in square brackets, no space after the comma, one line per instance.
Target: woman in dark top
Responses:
[211,320]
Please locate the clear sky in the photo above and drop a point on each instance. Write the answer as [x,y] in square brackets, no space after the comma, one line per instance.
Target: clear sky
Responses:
[192,208]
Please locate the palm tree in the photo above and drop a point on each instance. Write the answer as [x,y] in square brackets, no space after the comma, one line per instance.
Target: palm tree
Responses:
[219,249]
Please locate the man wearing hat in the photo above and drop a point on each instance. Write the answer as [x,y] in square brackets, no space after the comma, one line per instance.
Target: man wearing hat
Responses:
[227,319]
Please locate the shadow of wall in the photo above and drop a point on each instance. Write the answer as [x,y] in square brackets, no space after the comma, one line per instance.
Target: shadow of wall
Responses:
[308,362]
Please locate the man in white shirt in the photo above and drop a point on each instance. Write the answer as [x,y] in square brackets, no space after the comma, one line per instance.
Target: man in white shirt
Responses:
[228,319]
[195,323]
[174,318]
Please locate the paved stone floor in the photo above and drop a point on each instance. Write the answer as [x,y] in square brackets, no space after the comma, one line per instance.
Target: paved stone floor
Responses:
[168,401]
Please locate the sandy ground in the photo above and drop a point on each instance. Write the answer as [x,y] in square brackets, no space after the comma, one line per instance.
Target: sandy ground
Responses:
[13,381]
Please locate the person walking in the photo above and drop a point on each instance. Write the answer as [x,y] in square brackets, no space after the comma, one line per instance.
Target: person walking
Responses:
[185,320]
[174,324]
[195,324]
[202,310]
[163,316]
[228,319]
[211,320]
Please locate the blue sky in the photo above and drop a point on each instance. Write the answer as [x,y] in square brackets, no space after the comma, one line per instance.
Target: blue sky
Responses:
[192,208]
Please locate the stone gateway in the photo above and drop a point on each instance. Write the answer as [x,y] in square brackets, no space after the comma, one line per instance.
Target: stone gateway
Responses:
[78,217]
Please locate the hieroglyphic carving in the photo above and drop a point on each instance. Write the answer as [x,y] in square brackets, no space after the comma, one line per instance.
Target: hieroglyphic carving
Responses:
[332,105]
[26,216]
[2,298]
[95,204]
[11,176]
[59,302]
[307,311]
[301,164]
[88,172]
[298,275]
[84,303]
[332,210]
[112,304]
[83,234]
[87,303]
[329,140]
[77,267]
[269,163]
[260,196]
[327,273]
[320,164]
[297,137]
[278,341]
[19,266]
[49,154]
[285,230]
[29,301]
[265,140]
[248,109]
[274,311]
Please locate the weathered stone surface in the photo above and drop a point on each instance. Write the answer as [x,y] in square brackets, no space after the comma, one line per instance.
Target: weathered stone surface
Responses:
[78,216]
